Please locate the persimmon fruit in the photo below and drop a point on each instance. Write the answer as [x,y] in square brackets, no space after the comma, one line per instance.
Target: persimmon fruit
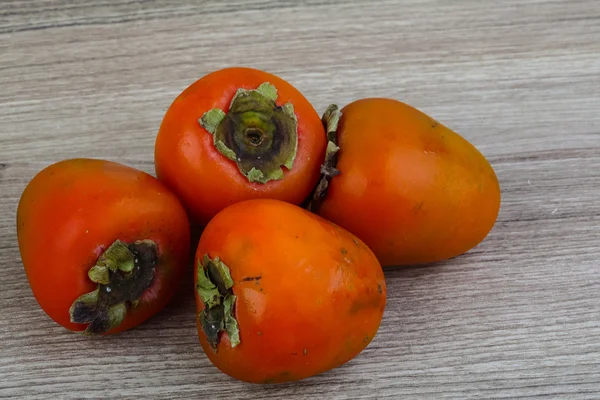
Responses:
[238,134]
[283,294]
[104,246]
[411,188]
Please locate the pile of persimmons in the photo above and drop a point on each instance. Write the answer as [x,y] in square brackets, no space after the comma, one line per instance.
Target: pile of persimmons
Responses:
[299,215]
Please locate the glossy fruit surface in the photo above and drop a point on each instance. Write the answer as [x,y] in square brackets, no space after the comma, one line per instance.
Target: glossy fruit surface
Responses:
[238,134]
[412,189]
[104,246]
[283,294]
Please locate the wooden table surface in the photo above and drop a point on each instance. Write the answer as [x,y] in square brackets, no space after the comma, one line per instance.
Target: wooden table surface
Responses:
[516,317]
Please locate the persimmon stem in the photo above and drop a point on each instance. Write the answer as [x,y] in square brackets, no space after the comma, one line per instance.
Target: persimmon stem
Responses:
[257,134]
[331,119]
[123,272]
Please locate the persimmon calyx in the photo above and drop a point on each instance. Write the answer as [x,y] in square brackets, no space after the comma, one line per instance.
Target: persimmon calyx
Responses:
[331,119]
[257,134]
[214,286]
[123,272]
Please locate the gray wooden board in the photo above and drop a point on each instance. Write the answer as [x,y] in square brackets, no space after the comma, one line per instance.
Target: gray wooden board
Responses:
[516,317]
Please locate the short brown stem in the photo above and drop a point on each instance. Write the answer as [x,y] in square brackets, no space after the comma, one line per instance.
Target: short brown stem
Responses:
[254,136]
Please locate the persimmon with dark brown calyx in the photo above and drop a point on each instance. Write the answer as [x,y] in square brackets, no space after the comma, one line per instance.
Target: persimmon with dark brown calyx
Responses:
[238,134]
[104,246]
[411,188]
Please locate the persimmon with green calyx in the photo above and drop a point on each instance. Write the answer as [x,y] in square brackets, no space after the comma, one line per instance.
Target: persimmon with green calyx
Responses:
[238,134]
[412,189]
[282,294]
[104,246]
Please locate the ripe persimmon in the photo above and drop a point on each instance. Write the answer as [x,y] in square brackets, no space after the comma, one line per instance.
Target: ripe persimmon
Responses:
[283,294]
[238,134]
[104,246]
[412,189]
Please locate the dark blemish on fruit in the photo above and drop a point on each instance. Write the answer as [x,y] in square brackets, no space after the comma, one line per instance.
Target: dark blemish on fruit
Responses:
[251,278]
[260,333]
[366,339]
[343,251]
[379,289]
[295,353]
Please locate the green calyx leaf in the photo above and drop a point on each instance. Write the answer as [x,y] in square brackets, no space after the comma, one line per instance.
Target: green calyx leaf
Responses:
[231,325]
[226,151]
[332,148]
[331,119]
[214,287]
[255,133]
[211,119]
[268,91]
[116,257]
[219,272]
[116,314]
[208,291]
[99,274]
[255,175]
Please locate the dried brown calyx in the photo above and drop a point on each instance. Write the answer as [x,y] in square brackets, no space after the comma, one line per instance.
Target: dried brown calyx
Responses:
[331,119]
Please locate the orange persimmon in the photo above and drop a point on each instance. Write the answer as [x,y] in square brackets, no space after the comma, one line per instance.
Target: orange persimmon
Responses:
[412,189]
[238,134]
[283,294]
[104,246]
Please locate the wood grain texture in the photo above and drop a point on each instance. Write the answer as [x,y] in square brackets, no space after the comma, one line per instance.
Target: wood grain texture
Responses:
[517,317]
